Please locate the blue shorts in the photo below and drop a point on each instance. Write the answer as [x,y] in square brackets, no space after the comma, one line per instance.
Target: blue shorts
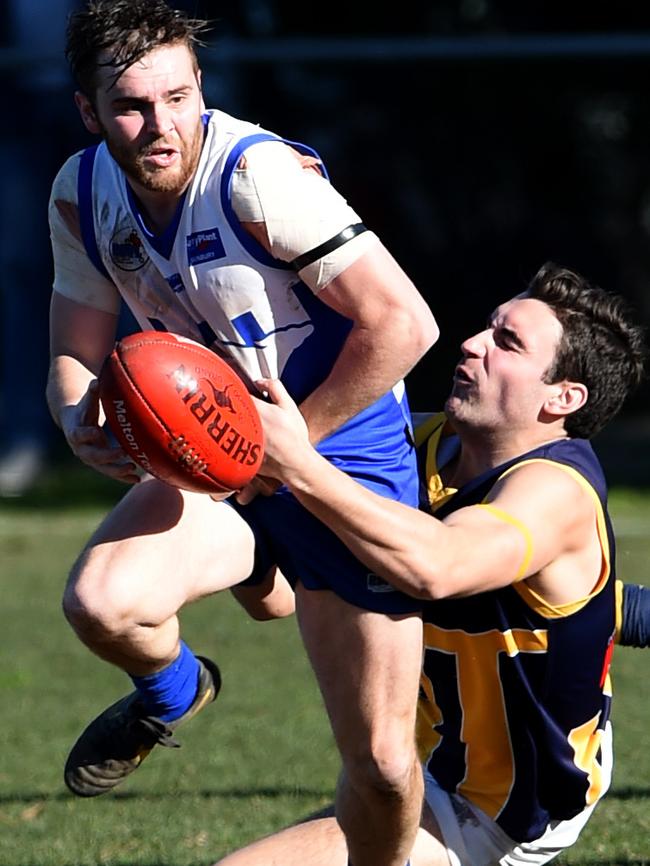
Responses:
[305,550]
[376,449]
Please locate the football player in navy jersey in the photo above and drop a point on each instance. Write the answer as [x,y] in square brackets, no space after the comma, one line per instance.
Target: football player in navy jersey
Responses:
[211,227]
[317,840]
[512,553]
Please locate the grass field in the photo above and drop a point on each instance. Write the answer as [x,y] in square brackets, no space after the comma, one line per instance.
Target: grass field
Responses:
[261,757]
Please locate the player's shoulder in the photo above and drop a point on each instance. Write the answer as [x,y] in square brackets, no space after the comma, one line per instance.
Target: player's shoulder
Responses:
[64,186]
[547,486]
[555,467]
[276,155]
[541,469]
[63,211]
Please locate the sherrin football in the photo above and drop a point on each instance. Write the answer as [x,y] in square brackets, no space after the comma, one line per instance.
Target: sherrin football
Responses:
[181,413]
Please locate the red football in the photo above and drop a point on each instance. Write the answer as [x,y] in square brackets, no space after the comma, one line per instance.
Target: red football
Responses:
[181,413]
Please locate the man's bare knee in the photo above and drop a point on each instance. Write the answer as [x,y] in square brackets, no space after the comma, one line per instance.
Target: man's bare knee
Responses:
[96,613]
[387,772]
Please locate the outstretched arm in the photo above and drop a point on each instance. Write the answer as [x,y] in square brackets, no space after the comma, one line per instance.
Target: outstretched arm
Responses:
[633,615]
[473,550]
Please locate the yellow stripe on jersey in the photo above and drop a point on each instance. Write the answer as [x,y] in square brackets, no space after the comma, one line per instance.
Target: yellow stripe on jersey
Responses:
[425,429]
[484,729]
[535,601]
[618,589]
[432,430]
[525,531]
[585,741]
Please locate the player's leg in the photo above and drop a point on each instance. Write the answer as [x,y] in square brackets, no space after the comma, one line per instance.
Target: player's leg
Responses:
[316,841]
[158,549]
[319,841]
[273,598]
[368,666]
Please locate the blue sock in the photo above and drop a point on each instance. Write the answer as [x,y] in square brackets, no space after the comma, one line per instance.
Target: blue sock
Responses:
[170,692]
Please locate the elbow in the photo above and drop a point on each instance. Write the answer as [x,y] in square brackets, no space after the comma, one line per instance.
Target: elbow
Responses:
[417,333]
[428,330]
[421,580]
[433,576]
[427,337]
[430,589]
[424,328]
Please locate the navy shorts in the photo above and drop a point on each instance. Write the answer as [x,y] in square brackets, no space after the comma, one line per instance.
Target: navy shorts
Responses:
[305,550]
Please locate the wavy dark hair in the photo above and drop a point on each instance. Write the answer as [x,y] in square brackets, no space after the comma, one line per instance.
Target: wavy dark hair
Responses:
[125,30]
[601,345]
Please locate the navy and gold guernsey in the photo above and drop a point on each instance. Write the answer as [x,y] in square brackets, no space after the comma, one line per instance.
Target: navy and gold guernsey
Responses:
[515,692]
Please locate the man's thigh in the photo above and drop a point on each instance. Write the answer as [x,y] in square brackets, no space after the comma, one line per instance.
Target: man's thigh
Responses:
[166,547]
[319,841]
[368,668]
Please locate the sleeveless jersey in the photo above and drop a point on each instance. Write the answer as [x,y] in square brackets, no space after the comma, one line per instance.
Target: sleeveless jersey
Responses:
[206,278]
[515,692]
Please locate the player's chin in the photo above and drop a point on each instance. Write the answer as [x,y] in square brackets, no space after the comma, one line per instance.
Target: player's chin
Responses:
[170,180]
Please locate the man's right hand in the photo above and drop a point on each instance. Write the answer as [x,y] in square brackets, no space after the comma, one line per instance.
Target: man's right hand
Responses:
[90,442]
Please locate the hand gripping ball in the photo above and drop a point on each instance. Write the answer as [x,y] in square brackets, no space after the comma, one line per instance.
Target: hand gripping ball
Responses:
[181,413]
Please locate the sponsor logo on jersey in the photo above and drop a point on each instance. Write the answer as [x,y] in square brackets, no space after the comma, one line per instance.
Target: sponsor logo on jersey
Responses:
[205,246]
[127,250]
[375,583]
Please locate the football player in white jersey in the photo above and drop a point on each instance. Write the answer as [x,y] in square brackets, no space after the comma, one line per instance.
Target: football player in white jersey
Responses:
[210,227]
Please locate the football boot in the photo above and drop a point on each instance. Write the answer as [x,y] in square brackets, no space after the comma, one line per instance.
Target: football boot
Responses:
[120,738]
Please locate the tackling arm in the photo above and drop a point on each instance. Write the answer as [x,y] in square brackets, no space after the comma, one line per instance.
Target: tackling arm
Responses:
[473,550]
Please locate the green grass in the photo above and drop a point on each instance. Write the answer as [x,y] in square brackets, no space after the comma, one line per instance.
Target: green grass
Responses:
[261,757]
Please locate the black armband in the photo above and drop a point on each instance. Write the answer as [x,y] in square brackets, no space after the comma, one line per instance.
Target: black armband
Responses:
[326,247]
[635,622]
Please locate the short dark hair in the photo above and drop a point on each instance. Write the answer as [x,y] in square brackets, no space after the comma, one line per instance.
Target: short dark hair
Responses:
[601,346]
[126,30]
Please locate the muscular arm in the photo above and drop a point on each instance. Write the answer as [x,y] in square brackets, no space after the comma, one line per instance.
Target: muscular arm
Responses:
[392,329]
[473,550]
[392,326]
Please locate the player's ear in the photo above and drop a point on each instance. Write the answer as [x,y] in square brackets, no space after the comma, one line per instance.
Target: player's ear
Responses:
[199,79]
[87,112]
[567,397]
